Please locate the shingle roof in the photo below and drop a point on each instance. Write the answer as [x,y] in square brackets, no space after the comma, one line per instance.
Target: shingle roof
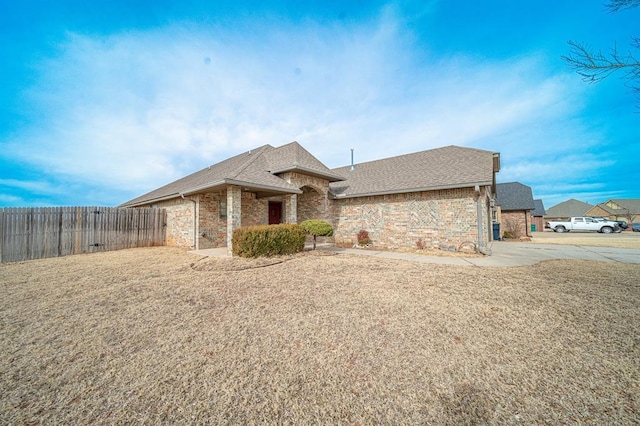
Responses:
[630,204]
[292,157]
[440,168]
[514,196]
[569,208]
[539,208]
[254,169]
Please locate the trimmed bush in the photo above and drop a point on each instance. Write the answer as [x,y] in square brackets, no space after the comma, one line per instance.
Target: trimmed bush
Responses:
[268,240]
[363,238]
[317,227]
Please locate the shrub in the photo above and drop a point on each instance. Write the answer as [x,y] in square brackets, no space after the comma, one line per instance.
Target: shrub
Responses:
[512,228]
[268,240]
[317,227]
[363,238]
[420,244]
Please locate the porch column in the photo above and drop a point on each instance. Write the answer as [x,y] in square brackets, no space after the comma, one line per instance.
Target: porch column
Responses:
[234,213]
[291,208]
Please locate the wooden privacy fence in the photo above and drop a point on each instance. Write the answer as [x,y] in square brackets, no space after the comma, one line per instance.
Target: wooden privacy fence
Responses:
[37,233]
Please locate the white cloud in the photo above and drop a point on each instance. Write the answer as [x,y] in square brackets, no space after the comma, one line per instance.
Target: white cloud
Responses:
[137,110]
[41,187]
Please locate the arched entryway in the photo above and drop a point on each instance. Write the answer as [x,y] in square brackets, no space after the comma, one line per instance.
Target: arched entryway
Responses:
[312,204]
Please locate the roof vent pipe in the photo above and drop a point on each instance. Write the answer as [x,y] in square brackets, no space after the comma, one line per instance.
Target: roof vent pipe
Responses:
[352,160]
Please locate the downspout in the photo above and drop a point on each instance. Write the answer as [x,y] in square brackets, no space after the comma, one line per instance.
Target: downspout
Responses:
[479,210]
[195,224]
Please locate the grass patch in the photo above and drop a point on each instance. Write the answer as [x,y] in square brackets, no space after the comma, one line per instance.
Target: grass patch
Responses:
[162,336]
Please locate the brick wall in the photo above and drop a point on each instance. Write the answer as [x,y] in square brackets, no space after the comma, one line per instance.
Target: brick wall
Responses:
[516,223]
[313,203]
[255,211]
[538,221]
[439,219]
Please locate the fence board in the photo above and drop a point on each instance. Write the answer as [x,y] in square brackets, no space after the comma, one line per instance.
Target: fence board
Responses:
[37,233]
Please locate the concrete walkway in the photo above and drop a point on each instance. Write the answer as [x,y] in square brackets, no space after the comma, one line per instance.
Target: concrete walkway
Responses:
[504,253]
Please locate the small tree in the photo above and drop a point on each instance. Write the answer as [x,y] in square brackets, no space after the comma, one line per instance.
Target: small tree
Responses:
[317,227]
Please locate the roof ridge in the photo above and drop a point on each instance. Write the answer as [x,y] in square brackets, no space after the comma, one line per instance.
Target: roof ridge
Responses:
[412,153]
[252,158]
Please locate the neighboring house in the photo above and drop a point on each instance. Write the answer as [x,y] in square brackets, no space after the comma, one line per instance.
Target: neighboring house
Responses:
[514,203]
[537,216]
[567,209]
[441,197]
[618,209]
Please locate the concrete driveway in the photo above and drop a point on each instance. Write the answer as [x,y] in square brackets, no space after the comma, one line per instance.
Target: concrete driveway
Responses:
[508,253]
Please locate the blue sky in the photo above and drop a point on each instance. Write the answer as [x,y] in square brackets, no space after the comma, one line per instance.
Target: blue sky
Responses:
[102,101]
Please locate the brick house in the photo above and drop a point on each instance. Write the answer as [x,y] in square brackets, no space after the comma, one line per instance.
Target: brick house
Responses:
[617,209]
[514,204]
[537,216]
[567,209]
[441,197]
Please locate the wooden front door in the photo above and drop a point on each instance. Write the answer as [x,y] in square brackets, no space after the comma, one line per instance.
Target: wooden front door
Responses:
[275,212]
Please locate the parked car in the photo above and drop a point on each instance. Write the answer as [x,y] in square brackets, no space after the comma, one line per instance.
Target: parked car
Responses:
[622,224]
[585,224]
[635,227]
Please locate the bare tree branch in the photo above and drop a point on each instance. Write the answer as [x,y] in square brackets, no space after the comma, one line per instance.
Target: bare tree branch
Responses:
[618,5]
[596,66]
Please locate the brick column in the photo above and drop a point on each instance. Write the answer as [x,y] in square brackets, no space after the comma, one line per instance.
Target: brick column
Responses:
[234,213]
[291,208]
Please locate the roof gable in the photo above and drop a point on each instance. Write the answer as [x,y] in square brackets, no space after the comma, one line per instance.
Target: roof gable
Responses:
[514,196]
[440,168]
[248,168]
[292,157]
[539,208]
[569,208]
[599,210]
[626,205]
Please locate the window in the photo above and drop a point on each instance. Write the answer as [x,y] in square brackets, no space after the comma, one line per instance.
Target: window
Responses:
[223,208]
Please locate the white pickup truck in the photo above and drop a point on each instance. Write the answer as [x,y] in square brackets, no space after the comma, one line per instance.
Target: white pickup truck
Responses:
[584,224]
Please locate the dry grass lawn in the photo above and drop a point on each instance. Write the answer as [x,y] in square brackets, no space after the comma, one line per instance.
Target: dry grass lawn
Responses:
[626,239]
[162,336]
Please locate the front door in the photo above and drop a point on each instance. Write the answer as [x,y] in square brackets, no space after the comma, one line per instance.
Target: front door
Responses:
[275,212]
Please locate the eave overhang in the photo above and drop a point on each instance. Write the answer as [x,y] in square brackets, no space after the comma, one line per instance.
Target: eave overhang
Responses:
[409,190]
[263,190]
[331,177]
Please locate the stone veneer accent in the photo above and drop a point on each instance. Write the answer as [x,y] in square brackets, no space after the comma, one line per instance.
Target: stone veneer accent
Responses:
[234,212]
[180,220]
[212,228]
[445,218]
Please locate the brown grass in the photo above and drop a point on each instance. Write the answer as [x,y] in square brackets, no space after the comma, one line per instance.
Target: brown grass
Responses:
[626,239]
[162,336]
